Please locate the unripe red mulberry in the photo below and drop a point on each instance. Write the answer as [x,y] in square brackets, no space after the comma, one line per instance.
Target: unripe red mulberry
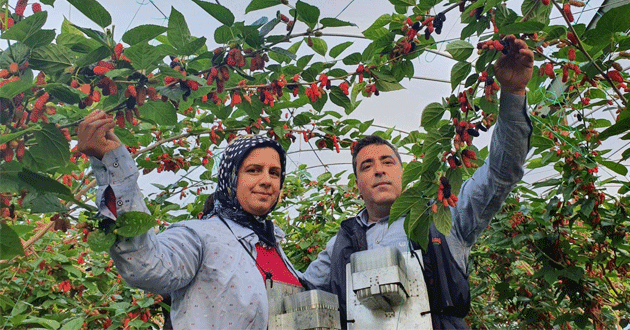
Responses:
[120,119]
[100,70]
[41,101]
[118,50]
[20,6]
[566,8]
[572,54]
[615,76]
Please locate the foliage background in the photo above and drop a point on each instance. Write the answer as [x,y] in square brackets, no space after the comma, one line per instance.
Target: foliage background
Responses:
[556,256]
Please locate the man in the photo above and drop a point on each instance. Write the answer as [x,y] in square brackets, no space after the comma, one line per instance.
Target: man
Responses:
[378,171]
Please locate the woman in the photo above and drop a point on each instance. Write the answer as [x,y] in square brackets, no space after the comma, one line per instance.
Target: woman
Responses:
[213,268]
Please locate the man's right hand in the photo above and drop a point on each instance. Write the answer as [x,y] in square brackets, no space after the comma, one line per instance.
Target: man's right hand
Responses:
[96,135]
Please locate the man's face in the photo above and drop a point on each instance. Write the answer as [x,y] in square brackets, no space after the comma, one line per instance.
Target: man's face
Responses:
[379,175]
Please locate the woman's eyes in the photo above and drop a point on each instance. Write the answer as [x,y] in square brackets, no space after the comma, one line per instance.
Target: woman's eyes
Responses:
[258,170]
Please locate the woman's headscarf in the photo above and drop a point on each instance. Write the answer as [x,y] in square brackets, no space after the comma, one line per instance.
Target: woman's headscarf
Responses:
[226,203]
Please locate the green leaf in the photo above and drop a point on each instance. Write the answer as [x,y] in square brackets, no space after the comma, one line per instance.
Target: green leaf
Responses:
[443,221]
[261,4]
[64,93]
[324,177]
[40,38]
[432,114]
[338,49]
[338,97]
[161,113]
[283,52]
[144,56]
[48,323]
[100,241]
[74,324]
[43,183]
[302,119]
[417,225]
[412,172]
[192,47]
[10,244]
[460,49]
[94,11]
[98,36]
[125,136]
[618,128]
[353,59]
[388,86]
[131,224]
[26,27]
[319,46]
[51,59]
[615,20]
[265,29]
[219,12]
[537,11]
[303,61]
[254,109]
[522,27]
[143,33]
[614,166]
[307,13]
[177,33]
[505,16]
[94,56]
[319,104]
[333,22]
[410,197]
[52,149]
[375,33]
[8,137]
[459,72]
[46,203]
[555,31]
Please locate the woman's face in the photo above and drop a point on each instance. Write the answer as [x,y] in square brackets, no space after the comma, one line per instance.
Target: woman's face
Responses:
[258,185]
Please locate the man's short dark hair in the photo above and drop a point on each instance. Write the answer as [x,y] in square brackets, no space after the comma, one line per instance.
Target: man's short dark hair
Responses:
[369,140]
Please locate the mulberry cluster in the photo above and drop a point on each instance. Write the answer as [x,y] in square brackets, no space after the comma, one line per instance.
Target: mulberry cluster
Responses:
[491,88]
[314,92]
[438,22]
[9,22]
[464,132]
[258,62]
[220,76]
[235,58]
[107,85]
[13,148]
[499,45]
[445,195]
